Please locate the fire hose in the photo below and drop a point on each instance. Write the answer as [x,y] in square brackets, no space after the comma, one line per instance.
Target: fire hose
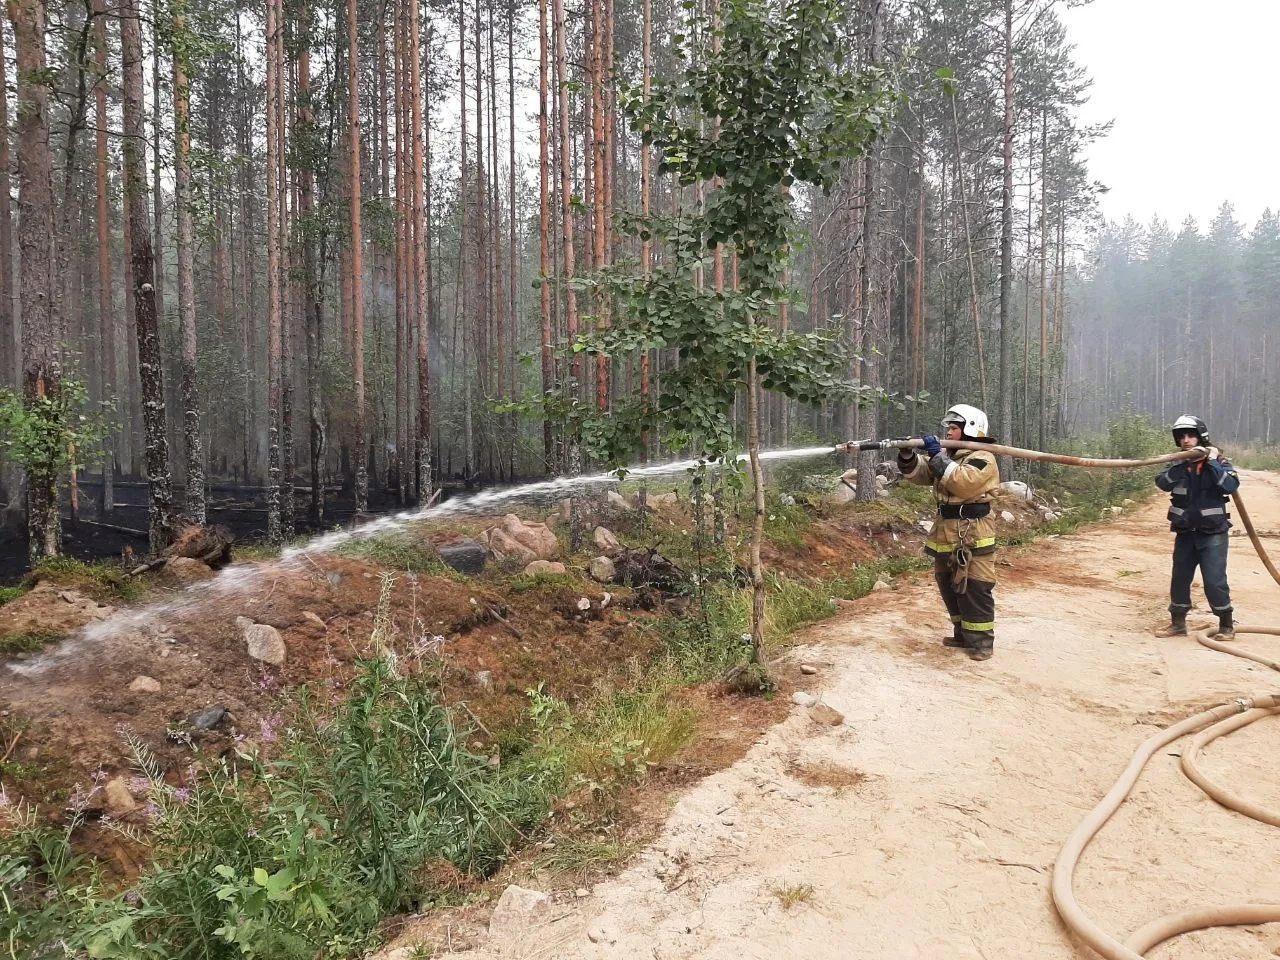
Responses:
[1205,727]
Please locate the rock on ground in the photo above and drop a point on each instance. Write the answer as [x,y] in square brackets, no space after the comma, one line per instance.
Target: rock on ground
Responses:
[602,570]
[606,542]
[262,641]
[512,538]
[516,908]
[545,566]
[187,570]
[145,684]
[466,556]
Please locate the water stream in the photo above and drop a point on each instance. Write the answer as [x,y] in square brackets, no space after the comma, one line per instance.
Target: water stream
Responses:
[244,578]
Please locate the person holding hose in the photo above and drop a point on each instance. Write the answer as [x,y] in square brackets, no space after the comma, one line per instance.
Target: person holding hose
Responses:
[1198,492]
[962,542]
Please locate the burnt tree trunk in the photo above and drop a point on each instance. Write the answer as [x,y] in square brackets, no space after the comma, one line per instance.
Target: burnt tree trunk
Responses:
[142,281]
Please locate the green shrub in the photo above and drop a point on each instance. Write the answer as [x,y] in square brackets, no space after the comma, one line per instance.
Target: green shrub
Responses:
[16,643]
[104,581]
[8,594]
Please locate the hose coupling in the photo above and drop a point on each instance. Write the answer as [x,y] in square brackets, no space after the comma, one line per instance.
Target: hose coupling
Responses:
[1243,704]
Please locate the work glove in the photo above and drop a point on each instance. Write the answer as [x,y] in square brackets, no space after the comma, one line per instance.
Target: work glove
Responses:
[931,445]
[1215,453]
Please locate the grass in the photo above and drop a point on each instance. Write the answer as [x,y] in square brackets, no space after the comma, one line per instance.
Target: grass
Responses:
[403,552]
[9,594]
[103,581]
[524,582]
[583,856]
[792,894]
[1255,458]
[16,643]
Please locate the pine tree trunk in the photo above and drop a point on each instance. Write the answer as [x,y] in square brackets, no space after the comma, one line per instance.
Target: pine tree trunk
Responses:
[1042,405]
[157,194]
[142,279]
[41,369]
[544,235]
[421,239]
[288,459]
[574,450]
[313,291]
[106,305]
[874,295]
[1006,246]
[357,259]
[191,429]
[10,348]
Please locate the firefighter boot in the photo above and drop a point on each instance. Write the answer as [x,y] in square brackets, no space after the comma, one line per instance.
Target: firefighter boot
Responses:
[957,638]
[981,646]
[1226,626]
[1177,626]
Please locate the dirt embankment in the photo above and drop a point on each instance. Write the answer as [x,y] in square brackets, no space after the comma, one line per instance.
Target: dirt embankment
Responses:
[925,824]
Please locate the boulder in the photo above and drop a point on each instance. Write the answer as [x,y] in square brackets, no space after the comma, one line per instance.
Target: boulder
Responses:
[545,566]
[617,501]
[1017,489]
[1006,516]
[262,641]
[185,570]
[516,908]
[514,539]
[466,556]
[602,570]
[671,497]
[50,609]
[826,715]
[606,542]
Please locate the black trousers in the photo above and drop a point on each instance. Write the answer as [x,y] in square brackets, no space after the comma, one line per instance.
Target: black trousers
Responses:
[1208,551]
[969,595]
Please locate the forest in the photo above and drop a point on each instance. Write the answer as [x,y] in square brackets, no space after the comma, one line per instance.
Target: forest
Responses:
[353,252]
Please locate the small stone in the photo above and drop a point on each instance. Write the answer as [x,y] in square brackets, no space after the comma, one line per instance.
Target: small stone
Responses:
[599,933]
[145,684]
[582,893]
[729,820]
[605,541]
[1126,502]
[787,500]
[516,907]
[1048,516]
[808,669]
[925,525]
[314,618]
[605,599]
[1115,511]
[602,570]
[584,604]
[545,566]
[334,578]
[879,585]
[262,641]
[1006,516]
[117,795]
[208,718]
[740,837]
[484,680]
[802,699]
[828,716]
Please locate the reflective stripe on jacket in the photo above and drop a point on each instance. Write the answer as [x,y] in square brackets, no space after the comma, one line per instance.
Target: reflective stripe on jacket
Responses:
[1198,493]
[971,477]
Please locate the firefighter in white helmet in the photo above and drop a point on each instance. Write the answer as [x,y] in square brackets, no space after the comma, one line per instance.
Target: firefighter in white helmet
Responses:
[1198,493]
[962,541]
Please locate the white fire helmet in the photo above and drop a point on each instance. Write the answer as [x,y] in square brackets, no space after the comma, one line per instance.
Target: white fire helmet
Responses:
[1194,424]
[971,420]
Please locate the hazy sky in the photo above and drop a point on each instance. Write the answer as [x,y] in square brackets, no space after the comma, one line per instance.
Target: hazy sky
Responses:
[1194,95]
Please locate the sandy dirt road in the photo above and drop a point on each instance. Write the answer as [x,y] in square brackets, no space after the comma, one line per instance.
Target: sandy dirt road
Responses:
[963,780]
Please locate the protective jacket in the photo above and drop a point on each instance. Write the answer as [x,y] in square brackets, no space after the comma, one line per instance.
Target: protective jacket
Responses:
[963,484]
[1198,494]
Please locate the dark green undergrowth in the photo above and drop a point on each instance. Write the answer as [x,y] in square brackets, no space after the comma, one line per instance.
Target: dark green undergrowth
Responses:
[16,643]
[1254,458]
[8,594]
[105,582]
[403,552]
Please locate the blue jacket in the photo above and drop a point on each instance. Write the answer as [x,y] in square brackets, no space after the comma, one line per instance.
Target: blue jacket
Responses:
[1198,495]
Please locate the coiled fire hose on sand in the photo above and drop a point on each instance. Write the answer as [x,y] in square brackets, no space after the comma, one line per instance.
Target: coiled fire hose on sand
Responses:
[1206,726]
